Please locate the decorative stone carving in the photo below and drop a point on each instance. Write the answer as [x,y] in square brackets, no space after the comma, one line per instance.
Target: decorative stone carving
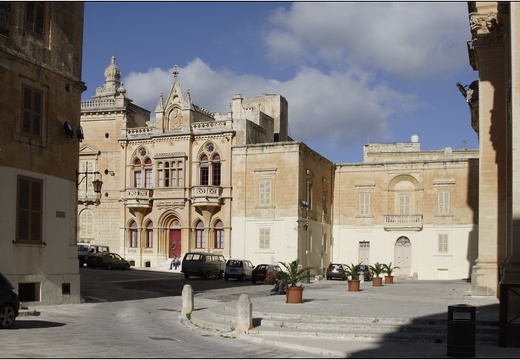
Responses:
[175,119]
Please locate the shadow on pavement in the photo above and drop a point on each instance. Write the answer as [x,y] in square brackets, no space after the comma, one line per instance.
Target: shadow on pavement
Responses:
[433,330]
[35,324]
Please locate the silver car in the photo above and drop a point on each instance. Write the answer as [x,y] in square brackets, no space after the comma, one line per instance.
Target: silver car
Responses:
[241,270]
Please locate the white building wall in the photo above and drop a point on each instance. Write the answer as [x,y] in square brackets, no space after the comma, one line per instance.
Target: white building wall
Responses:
[426,262]
[56,261]
[283,243]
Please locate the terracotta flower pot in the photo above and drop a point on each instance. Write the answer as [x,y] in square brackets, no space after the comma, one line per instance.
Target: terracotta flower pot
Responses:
[377,281]
[294,294]
[389,279]
[353,285]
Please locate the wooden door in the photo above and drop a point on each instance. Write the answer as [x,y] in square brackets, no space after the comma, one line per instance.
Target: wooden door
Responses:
[175,243]
[402,256]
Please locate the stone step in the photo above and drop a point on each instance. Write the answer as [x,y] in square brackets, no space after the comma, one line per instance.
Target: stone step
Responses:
[222,319]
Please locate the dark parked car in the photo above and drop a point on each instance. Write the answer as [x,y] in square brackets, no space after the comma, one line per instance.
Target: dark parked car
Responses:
[336,271]
[9,303]
[203,264]
[264,271]
[364,273]
[108,261]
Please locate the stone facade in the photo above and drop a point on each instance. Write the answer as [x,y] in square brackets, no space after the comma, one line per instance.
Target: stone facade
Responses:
[282,197]
[39,115]
[416,209]
[493,52]
[273,199]
[167,182]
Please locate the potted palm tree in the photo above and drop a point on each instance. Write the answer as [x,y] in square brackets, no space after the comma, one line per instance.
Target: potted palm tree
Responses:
[388,269]
[352,272]
[293,274]
[377,269]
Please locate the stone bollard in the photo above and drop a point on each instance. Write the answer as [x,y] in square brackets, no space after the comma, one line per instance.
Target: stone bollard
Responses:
[244,314]
[187,300]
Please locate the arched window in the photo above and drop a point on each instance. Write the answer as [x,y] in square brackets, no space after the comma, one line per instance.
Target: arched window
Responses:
[138,175]
[142,168]
[148,173]
[210,169]
[149,235]
[85,224]
[199,235]
[215,170]
[133,234]
[204,170]
[219,235]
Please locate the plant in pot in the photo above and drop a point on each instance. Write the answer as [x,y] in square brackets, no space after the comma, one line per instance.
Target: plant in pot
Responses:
[388,269]
[293,274]
[377,269]
[352,272]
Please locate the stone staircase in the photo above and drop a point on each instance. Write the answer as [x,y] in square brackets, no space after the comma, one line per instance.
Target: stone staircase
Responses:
[221,319]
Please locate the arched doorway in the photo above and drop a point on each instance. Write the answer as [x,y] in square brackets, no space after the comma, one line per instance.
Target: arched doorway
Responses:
[402,256]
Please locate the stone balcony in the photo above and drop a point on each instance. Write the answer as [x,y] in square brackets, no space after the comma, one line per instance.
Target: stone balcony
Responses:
[206,195]
[88,197]
[403,222]
[138,198]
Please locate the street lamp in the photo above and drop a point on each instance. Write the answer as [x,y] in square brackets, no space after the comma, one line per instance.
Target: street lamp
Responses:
[96,183]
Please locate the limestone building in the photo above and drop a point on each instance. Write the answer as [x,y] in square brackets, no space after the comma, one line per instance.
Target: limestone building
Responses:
[416,209]
[40,72]
[237,185]
[169,184]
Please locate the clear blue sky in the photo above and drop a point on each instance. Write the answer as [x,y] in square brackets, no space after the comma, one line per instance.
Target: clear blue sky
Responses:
[352,73]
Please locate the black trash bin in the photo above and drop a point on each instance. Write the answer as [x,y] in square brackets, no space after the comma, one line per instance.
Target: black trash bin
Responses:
[461,330]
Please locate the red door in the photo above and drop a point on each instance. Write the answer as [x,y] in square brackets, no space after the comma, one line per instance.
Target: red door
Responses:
[175,243]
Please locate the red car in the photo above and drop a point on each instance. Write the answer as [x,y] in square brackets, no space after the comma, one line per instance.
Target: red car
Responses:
[263,271]
[336,271]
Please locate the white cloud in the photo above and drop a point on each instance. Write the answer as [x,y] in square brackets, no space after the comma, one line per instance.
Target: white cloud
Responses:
[411,40]
[336,107]
[340,53]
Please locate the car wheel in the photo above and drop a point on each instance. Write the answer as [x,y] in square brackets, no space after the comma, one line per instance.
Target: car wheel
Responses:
[109,266]
[226,277]
[220,274]
[186,276]
[243,277]
[7,316]
[253,281]
[207,275]
[127,267]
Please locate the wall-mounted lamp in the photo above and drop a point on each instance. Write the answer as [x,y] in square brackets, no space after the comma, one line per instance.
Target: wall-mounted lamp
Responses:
[304,204]
[109,172]
[305,227]
[96,183]
[69,132]
[79,133]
